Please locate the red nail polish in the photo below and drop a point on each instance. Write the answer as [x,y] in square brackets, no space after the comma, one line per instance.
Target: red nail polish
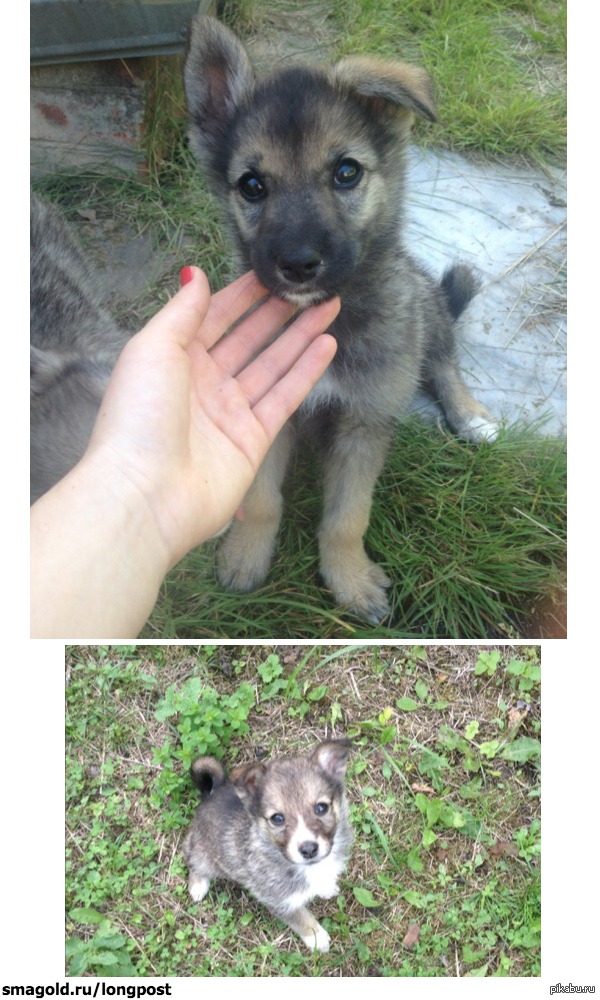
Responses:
[185,275]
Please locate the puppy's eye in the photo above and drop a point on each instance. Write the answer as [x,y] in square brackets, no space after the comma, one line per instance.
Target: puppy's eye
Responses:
[321,808]
[277,819]
[251,187]
[347,174]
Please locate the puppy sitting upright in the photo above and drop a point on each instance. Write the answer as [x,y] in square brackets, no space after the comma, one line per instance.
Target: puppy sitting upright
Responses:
[281,830]
[309,165]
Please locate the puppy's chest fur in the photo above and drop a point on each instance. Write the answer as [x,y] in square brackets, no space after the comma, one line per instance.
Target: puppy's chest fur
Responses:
[319,880]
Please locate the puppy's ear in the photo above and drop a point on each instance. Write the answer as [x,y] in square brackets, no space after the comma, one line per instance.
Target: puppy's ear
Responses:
[217,74]
[332,757]
[387,84]
[247,781]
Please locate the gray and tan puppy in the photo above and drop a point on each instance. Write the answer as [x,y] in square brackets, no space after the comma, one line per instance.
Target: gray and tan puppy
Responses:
[309,165]
[74,346]
[280,829]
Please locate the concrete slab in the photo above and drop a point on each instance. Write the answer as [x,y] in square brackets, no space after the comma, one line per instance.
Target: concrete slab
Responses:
[509,222]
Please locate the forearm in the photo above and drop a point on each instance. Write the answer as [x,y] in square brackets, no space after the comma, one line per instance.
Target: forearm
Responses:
[97,558]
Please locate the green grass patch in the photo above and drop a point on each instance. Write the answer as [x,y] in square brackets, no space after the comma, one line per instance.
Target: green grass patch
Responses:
[471,537]
[447,830]
[498,67]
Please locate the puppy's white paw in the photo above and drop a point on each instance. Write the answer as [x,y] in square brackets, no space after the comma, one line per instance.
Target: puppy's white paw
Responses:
[198,889]
[319,940]
[478,430]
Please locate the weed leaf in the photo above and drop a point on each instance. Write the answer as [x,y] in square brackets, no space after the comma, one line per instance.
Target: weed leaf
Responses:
[86,915]
[365,897]
[407,704]
[522,750]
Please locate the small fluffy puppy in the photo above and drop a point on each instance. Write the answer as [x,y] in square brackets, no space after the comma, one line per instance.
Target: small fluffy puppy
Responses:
[280,830]
[309,167]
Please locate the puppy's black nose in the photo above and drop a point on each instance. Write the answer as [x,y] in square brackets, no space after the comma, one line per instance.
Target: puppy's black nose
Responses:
[308,849]
[300,264]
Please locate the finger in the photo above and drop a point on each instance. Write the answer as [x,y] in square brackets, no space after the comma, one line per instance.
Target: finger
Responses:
[286,395]
[278,358]
[192,312]
[234,352]
[229,305]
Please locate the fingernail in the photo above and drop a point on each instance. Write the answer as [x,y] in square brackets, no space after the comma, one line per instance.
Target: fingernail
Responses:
[185,275]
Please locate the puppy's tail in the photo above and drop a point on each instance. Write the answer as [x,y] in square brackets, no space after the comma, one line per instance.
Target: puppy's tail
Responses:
[459,285]
[207,774]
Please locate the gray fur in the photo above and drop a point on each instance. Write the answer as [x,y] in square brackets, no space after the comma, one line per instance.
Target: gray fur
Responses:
[279,153]
[74,345]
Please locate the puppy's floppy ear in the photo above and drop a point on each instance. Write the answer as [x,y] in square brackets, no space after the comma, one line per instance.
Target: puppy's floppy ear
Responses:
[332,757]
[386,82]
[217,75]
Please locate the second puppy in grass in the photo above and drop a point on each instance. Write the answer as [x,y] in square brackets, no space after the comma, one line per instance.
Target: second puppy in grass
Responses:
[280,830]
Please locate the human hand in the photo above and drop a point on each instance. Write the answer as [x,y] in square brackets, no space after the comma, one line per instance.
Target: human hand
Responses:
[188,417]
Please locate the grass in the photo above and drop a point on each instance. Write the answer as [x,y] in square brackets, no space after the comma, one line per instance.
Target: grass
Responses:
[470,537]
[499,67]
[443,785]
[473,539]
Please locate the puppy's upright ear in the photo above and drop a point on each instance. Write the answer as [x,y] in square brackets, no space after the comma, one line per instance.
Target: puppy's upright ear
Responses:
[217,74]
[332,757]
[387,85]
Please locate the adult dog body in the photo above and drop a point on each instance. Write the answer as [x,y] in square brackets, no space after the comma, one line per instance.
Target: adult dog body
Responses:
[309,165]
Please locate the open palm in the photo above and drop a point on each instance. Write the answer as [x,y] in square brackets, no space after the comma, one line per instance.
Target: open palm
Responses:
[190,414]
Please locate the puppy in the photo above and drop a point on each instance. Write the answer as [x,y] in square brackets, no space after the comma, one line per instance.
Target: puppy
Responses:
[309,166]
[281,830]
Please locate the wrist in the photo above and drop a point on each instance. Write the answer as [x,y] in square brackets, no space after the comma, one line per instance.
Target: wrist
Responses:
[98,558]
[122,505]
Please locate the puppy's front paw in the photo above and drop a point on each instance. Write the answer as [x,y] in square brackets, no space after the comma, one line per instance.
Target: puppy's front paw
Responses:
[198,888]
[360,587]
[244,558]
[317,940]
[480,429]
